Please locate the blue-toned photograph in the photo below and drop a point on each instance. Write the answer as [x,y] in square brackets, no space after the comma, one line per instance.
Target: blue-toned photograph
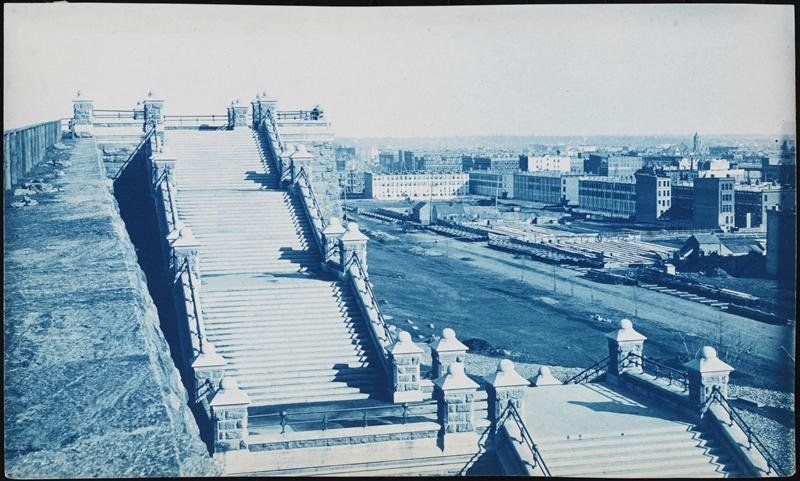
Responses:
[383,241]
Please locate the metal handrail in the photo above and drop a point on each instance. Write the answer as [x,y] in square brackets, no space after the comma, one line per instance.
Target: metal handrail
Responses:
[752,438]
[186,267]
[592,371]
[511,411]
[139,146]
[300,115]
[362,273]
[336,415]
[661,370]
[317,210]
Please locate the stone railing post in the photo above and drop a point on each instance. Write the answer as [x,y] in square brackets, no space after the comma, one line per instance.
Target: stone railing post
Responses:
[301,159]
[82,116]
[352,241]
[229,415]
[506,387]
[704,375]
[405,358]
[208,369]
[330,240]
[261,105]
[186,246]
[545,378]
[152,112]
[455,393]
[445,351]
[237,115]
[623,342]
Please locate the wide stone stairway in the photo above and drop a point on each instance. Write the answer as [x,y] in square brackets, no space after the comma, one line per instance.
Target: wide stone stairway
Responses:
[598,430]
[289,333]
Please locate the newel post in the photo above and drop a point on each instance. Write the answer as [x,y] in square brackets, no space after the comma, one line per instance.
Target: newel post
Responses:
[301,159]
[353,241]
[237,115]
[330,239]
[229,416]
[455,393]
[82,116]
[405,358]
[445,351]
[505,386]
[705,374]
[625,348]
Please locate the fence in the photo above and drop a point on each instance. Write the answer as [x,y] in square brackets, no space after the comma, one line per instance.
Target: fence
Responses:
[25,147]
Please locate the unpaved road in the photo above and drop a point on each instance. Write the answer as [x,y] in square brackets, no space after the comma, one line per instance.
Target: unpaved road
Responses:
[511,304]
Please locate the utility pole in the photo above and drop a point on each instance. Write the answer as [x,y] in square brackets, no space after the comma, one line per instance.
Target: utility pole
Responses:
[554,278]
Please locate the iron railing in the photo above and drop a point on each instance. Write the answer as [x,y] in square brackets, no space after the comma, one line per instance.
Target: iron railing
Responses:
[117,114]
[590,373]
[673,376]
[323,420]
[369,296]
[195,119]
[300,115]
[139,146]
[752,438]
[538,461]
[185,267]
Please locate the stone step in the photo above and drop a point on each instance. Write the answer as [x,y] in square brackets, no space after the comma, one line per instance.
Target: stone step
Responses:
[321,294]
[277,284]
[298,377]
[667,466]
[293,370]
[593,454]
[276,268]
[253,342]
[274,317]
[277,329]
[277,288]
[317,346]
[295,363]
[677,431]
[625,456]
[305,399]
[213,262]
[260,305]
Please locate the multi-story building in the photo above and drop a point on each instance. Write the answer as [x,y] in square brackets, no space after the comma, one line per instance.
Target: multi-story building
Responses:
[751,203]
[388,161]
[713,206]
[606,165]
[653,196]
[613,197]
[682,199]
[407,161]
[344,156]
[781,258]
[416,185]
[353,181]
[490,183]
[438,163]
[539,163]
[547,187]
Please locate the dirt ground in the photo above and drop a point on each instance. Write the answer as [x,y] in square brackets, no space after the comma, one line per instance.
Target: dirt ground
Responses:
[507,306]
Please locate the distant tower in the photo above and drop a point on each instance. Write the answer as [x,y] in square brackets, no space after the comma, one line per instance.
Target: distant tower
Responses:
[696,143]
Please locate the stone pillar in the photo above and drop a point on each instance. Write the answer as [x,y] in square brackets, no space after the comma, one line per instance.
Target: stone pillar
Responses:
[545,378]
[405,358]
[301,159]
[455,393]
[186,247]
[261,105]
[352,241]
[330,239]
[506,387]
[229,415]
[237,115]
[705,374]
[257,115]
[152,111]
[82,116]
[621,343]
[208,369]
[446,350]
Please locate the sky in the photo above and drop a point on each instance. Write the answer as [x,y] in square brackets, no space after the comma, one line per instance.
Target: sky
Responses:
[418,71]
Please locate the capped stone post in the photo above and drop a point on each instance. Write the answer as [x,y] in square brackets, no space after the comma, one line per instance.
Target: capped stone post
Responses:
[505,387]
[262,104]
[82,116]
[405,358]
[704,375]
[229,415]
[455,393]
[330,239]
[237,114]
[208,368]
[285,159]
[446,350]
[152,111]
[186,246]
[625,348]
[301,159]
[545,378]
[257,117]
[353,241]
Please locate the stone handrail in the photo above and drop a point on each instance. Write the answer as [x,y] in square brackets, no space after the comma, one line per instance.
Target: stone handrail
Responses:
[186,276]
[736,427]
[25,147]
[526,438]
[366,299]
[311,206]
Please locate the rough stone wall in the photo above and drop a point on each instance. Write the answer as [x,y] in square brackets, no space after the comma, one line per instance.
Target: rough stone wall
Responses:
[406,373]
[325,178]
[90,388]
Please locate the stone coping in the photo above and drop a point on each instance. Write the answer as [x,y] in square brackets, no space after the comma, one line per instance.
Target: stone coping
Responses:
[336,433]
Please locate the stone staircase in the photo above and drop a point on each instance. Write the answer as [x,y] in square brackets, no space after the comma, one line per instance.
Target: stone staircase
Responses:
[289,333]
[670,452]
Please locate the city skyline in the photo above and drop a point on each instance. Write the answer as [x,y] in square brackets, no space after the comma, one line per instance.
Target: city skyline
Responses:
[426,71]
